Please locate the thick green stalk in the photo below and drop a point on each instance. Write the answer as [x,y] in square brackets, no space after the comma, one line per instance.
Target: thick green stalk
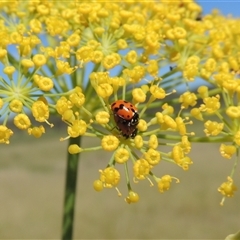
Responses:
[70,192]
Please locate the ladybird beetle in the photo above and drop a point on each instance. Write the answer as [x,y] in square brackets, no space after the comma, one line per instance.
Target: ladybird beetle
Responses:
[126,117]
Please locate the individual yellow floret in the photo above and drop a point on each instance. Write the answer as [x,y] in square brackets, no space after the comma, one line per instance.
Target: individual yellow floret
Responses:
[39,60]
[152,156]
[110,177]
[132,197]
[22,121]
[233,111]
[236,138]
[139,95]
[40,111]
[227,151]
[138,141]
[157,92]
[102,117]
[74,149]
[188,99]
[121,155]
[5,134]
[164,183]
[153,141]
[131,57]
[104,90]
[78,128]
[213,128]
[141,168]
[227,188]
[36,131]
[211,104]
[9,70]
[110,143]
[16,106]
[142,125]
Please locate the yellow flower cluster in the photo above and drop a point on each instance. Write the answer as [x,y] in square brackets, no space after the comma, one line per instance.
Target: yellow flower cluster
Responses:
[142,151]
[76,58]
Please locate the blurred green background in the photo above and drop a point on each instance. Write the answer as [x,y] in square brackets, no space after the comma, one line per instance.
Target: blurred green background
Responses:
[32,177]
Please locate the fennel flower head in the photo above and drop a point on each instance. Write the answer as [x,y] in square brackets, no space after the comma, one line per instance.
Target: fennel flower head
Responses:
[111,70]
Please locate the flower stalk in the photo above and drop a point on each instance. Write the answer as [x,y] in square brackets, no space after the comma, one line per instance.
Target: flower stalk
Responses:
[70,191]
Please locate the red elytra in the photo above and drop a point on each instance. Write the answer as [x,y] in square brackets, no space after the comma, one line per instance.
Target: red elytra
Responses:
[126,117]
[124,109]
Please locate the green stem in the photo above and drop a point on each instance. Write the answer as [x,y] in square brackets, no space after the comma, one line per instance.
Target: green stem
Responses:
[70,192]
